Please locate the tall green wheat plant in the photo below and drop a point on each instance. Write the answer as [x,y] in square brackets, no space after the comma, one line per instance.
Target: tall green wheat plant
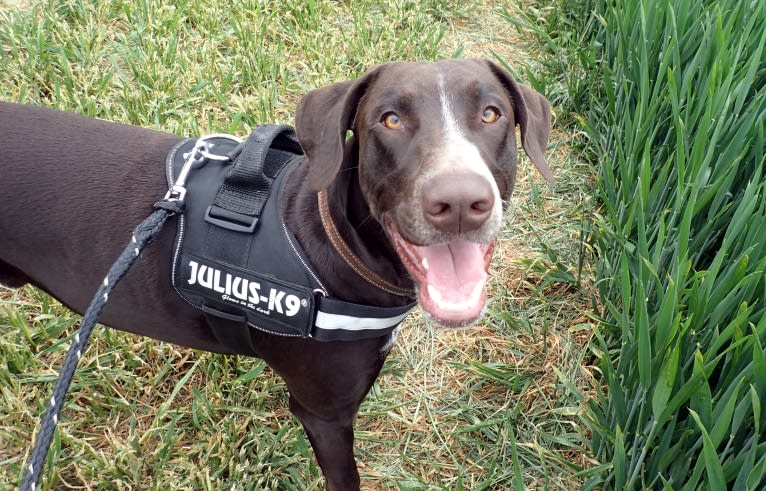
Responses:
[681,237]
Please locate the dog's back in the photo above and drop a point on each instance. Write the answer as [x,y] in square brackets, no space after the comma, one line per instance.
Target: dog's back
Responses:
[67,187]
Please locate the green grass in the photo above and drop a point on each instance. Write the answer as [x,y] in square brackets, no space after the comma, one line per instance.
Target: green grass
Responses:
[495,407]
[673,98]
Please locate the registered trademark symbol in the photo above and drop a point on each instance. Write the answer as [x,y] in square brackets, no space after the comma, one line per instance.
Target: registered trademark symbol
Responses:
[304,302]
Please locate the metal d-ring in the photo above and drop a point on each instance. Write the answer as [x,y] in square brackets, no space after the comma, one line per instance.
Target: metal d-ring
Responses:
[205,152]
[196,158]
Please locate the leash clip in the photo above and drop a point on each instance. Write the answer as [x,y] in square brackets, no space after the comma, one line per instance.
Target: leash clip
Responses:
[177,191]
[198,156]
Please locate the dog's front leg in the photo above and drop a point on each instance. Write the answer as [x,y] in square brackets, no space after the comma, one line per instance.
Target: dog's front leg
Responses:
[327,382]
[332,437]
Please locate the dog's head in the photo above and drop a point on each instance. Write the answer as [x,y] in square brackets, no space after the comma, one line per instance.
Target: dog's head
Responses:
[436,154]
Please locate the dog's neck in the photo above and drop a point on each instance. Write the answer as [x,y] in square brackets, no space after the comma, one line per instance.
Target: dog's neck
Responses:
[358,228]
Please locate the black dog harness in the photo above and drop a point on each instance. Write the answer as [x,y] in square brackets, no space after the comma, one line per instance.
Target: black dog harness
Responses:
[236,260]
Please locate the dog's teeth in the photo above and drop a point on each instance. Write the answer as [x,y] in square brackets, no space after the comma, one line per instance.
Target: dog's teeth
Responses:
[435,294]
[476,293]
[424,262]
[437,297]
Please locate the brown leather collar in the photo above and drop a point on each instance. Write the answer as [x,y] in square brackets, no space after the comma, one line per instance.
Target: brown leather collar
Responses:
[348,255]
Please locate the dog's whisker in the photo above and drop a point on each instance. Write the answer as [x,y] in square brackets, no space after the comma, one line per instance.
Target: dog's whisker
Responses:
[363,222]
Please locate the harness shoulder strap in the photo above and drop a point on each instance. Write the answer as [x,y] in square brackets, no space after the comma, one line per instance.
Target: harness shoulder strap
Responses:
[241,198]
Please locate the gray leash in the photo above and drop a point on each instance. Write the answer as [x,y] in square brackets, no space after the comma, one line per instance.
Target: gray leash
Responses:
[145,232]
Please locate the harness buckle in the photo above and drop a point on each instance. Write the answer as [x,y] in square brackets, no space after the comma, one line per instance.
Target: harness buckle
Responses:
[230,220]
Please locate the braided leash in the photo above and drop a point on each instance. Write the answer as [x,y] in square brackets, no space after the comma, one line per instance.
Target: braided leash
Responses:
[145,232]
[142,236]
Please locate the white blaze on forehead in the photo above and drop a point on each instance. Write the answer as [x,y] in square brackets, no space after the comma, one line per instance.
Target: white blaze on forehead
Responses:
[457,152]
[451,127]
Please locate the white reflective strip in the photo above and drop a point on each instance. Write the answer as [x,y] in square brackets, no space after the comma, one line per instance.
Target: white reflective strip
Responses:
[325,320]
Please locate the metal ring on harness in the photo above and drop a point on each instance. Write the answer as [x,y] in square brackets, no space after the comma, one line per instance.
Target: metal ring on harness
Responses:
[211,156]
[177,191]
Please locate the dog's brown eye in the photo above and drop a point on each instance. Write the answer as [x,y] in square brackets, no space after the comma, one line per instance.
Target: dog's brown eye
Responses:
[392,121]
[490,115]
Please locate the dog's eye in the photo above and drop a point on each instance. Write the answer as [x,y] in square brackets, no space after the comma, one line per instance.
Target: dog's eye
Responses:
[391,121]
[490,114]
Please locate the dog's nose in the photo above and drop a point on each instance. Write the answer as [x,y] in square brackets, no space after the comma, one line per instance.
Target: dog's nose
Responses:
[456,203]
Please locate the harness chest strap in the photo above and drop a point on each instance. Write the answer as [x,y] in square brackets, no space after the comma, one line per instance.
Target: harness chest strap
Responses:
[238,262]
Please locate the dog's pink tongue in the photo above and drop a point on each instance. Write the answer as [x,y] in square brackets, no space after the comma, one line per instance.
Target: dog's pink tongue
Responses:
[453,290]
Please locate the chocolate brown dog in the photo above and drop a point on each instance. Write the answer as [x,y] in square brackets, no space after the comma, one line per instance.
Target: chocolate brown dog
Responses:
[417,193]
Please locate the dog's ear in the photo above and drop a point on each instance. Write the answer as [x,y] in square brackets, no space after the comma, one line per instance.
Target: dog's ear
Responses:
[533,115]
[322,119]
